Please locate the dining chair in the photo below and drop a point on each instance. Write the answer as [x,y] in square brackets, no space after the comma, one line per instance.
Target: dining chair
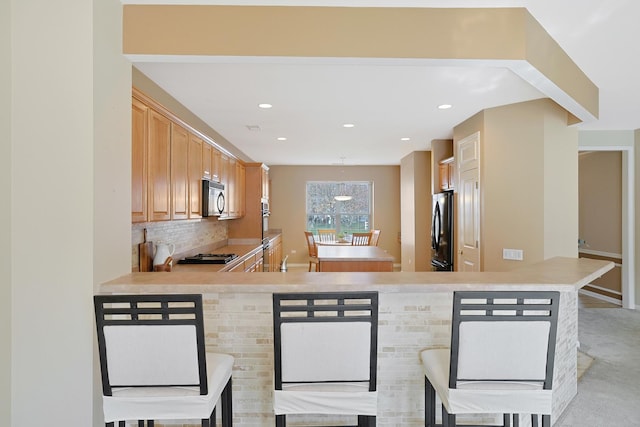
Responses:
[327,235]
[153,361]
[500,361]
[361,239]
[325,355]
[313,250]
[375,236]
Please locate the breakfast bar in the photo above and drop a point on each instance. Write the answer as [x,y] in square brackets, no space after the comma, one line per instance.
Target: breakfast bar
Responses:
[414,314]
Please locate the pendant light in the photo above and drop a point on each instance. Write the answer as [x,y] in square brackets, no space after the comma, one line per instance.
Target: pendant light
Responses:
[342,197]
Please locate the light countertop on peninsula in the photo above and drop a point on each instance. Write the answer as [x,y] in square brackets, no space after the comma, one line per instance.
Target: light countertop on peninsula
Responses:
[554,274]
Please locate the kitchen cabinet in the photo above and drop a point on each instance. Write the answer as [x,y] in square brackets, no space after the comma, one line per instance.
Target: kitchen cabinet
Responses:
[252,262]
[179,172]
[216,165]
[159,164]
[240,189]
[249,226]
[446,174]
[169,160]
[139,152]
[195,173]
[207,157]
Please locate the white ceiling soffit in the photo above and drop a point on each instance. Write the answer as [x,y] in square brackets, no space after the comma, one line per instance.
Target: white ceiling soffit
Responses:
[312,98]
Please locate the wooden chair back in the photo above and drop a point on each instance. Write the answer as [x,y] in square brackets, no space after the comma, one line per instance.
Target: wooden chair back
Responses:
[327,235]
[375,236]
[311,244]
[361,239]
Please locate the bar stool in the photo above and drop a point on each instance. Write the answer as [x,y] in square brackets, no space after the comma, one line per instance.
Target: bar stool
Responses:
[153,361]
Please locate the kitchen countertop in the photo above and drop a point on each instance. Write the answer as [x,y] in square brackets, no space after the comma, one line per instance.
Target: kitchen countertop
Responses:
[554,274]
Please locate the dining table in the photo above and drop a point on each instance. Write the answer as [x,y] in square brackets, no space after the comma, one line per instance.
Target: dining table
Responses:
[353,258]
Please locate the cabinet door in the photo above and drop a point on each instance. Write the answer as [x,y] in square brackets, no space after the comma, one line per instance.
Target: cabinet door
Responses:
[443,173]
[207,158]
[139,148]
[216,165]
[159,184]
[230,188]
[195,176]
[240,189]
[179,171]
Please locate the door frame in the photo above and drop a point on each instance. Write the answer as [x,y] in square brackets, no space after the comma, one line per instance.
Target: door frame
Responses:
[628,219]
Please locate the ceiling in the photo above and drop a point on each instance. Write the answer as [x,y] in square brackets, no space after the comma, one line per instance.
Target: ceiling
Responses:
[387,100]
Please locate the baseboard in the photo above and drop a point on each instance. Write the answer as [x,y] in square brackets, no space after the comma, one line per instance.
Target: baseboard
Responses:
[600,297]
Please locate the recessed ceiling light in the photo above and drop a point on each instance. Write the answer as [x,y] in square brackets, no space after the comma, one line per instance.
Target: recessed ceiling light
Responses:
[348,125]
[265,105]
[281,138]
[405,139]
[444,106]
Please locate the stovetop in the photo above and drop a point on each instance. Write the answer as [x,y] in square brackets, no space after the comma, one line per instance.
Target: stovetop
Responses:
[208,259]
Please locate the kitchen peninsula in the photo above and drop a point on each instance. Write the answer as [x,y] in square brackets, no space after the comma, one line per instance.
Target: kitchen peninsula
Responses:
[415,311]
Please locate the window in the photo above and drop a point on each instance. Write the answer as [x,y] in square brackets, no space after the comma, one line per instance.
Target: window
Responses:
[345,216]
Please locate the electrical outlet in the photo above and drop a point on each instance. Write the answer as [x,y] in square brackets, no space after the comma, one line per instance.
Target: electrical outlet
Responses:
[513,254]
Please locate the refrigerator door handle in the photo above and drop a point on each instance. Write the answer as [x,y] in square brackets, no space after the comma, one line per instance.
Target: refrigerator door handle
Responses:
[437,226]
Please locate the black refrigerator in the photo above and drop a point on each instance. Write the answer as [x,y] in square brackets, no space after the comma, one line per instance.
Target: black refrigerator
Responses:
[442,232]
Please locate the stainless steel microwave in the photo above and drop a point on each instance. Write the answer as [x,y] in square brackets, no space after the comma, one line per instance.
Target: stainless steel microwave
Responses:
[213,200]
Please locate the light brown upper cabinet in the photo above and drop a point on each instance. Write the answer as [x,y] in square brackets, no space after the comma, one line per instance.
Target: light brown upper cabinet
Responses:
[216,165]
[169,161]
[195,172]
[207,157]
[179,172]
[139,138]
[446,173]
[159,164]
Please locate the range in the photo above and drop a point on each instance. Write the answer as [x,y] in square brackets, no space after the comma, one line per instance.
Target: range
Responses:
[208,259]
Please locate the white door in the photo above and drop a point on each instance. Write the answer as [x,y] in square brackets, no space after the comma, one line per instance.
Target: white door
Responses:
[468,223]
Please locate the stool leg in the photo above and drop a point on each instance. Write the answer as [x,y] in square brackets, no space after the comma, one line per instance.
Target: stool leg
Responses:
[227,404]
[366,421]
[429,404]
[534,420]
[448,420]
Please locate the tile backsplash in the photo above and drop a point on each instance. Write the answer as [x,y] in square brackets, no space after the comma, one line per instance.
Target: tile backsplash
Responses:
[186,235]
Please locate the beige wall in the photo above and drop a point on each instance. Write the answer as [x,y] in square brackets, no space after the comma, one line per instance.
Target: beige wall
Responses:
[528,179]
[288,203]
[69,121]
[5,213]
[600,198]
[416,197]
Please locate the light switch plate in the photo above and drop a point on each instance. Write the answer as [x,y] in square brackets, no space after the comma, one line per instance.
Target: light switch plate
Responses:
[513,254]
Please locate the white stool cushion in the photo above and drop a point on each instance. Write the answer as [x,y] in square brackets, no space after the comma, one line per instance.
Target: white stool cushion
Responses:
[326,398]
[167,403]
[486,396]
